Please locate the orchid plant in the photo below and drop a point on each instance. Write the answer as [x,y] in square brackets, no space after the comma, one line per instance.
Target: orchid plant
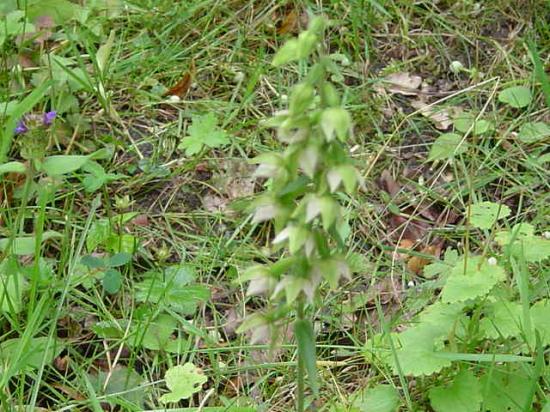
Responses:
[306,182]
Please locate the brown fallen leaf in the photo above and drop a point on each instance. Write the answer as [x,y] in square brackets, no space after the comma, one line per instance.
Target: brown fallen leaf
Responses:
[416,263]
[289,24]
[403,83]
[441,118]
[182,87]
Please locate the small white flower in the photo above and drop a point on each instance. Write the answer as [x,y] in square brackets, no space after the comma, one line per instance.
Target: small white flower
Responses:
[492,261]
[239,77]
[456,67]
[174,99]
[411,284]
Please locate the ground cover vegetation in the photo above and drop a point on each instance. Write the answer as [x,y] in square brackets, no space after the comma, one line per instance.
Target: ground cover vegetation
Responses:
[214,205]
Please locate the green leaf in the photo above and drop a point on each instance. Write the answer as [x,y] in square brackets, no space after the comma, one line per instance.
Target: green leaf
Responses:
[381,398]
[119,259]
[335,120]
[36,352]
[25,245]
[63,164]
[183,381]
[25,106]
[441,267]
[104,52]
[173,290]
[464,121]
[522,243]
[502,319]
[484,215]
[203,131]
[93,262]
[305,338]
[112,281]
[447,146]
[300,99]
[60,10]
[516,96]
[462,395]
[12,167]
[506,388]
[123,381]
[344,173]
[472,279]
[287,53]
[12,286]
[532,132]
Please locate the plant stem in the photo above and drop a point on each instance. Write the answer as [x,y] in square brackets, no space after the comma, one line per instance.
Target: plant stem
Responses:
[300,389]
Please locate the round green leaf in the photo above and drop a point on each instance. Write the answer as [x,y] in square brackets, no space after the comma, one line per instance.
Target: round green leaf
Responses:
[516,96]
[381,398]
[447,146]
[462,395]
[533,132]
[112,281]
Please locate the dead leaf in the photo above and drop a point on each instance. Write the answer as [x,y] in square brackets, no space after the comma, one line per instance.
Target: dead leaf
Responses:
[183,86]
[403,83]
[388,183]
[416,263]
[141,220]
[441,118]
[70,392]
[289,24]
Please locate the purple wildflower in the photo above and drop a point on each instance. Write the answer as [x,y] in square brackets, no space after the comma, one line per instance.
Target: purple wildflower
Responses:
[48,118]
[21,128]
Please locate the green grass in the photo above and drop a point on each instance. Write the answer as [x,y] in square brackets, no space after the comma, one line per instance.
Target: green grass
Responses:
[197,207]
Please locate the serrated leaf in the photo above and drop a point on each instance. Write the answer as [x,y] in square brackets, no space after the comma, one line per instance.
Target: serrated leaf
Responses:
[203,131]
[441,267]
[418,347]
[541,320]
[522,243]
[381,398]
[484,215]
[532,132]
[468,281]
[447,146]
[516,96]
[503,319]
[462,395]
[506,389]
[183,381]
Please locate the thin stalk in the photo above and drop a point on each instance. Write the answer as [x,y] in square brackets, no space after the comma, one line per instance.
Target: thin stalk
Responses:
[301,375]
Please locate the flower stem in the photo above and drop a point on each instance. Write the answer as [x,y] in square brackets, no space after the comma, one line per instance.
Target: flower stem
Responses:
[300,389]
